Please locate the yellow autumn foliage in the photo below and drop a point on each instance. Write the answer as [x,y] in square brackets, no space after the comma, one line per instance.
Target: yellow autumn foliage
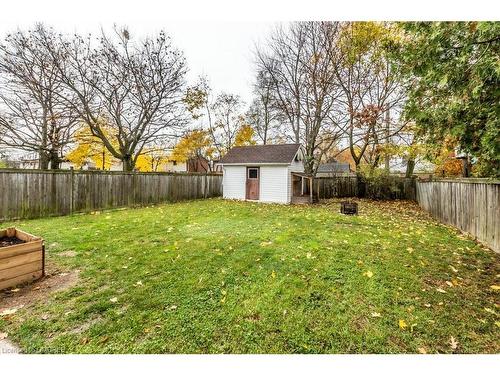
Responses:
[244,136]
[152,160]
[193,144]
[89,147]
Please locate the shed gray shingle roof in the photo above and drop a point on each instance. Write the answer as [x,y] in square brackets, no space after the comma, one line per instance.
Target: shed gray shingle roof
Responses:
[334,167]
[261,154]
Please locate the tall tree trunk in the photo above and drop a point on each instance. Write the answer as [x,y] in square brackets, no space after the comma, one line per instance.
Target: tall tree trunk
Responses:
[466,166]
[55,161]
[374,165]
[128,163]
[43,160]
[410,166]
[309,165]
[357,161]
[387,140]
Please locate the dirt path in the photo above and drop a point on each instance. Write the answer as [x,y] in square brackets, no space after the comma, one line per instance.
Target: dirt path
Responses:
[31,293]
[21,297]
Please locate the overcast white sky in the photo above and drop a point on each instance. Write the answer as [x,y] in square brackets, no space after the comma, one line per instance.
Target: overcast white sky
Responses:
[220,50]
[217,36]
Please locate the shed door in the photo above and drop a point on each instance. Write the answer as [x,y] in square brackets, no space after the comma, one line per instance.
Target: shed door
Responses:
[253,182]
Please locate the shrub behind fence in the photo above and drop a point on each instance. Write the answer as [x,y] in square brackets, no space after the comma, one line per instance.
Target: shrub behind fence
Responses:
[386,187]
[34,193]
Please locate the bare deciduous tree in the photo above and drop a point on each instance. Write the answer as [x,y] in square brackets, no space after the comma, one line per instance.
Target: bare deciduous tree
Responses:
[33,114]
[262,115]
[372,94]
[222,116]
[228,118]
[297,61]
[135,89]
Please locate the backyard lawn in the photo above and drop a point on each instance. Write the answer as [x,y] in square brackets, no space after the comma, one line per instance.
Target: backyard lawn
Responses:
[214,276]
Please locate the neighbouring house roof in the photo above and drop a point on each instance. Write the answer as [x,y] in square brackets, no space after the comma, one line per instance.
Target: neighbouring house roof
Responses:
[334,167]
[262,154]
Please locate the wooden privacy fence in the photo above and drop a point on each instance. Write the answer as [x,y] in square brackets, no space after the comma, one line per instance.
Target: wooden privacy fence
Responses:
[33,193]
[386,187]
[473,206]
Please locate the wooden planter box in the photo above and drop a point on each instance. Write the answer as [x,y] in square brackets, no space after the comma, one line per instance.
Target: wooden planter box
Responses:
[22,262]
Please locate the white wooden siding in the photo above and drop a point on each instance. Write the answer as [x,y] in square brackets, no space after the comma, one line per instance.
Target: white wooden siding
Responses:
[273,184]
[234,182]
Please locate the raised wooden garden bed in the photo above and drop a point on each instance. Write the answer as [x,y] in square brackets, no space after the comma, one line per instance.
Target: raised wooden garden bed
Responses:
[22,257]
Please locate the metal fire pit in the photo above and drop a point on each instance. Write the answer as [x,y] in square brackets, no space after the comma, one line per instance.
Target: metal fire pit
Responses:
[348,208]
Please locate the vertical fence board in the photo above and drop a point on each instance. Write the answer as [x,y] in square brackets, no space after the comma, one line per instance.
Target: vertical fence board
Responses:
[32,193]
[472,206]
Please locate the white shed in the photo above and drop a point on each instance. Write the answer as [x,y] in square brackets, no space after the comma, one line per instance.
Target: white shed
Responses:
[265,173]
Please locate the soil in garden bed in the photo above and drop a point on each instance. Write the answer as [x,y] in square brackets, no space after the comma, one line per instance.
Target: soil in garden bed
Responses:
[9,241]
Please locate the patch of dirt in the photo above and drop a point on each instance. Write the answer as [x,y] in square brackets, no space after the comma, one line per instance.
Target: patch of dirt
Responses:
[9,241]
[85,326]
[38,290]
[253,318]
[360,322]
[68,253]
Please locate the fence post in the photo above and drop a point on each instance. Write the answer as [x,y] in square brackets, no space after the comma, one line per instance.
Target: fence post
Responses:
[205,187]
[72,188]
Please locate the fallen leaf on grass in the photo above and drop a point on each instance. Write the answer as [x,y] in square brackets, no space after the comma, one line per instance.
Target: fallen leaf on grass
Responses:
[495,287]
[368,274]
[84,340]
[273,274]
[402,324]
[453,343]
[375,315]
[440,290]
[113,300]
[104,339]
[3,335]
[422,351]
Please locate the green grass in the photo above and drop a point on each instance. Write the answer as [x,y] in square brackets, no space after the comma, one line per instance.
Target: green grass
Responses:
[236,277]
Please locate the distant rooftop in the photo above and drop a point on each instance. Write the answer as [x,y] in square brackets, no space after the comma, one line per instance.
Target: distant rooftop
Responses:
[334,167]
